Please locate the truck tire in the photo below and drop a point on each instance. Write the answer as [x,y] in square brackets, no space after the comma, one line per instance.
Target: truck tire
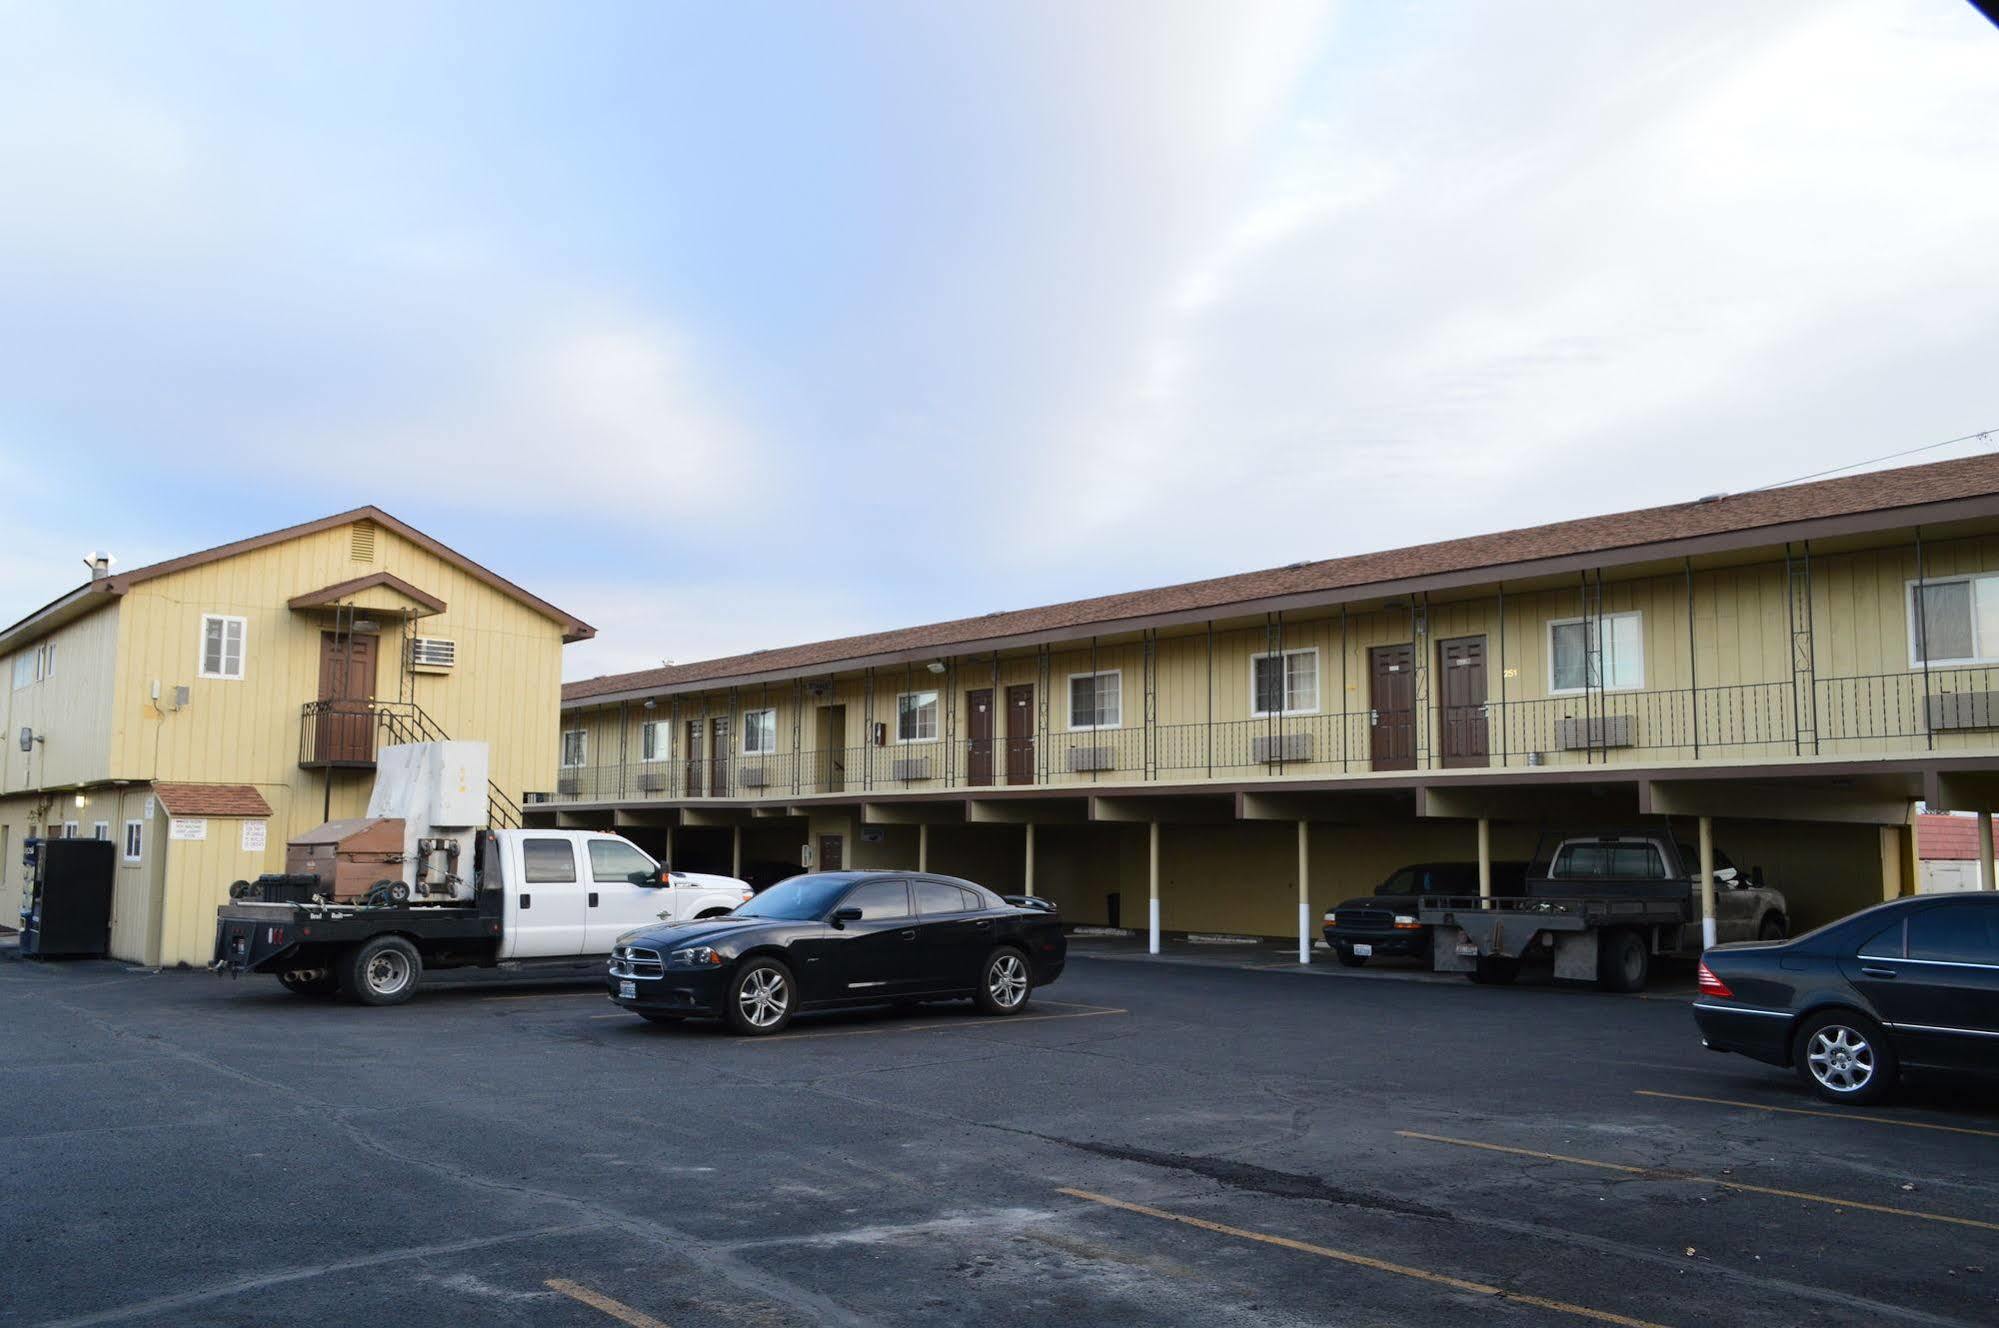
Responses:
[1622,962]
[1773,928]
[1495,970]
[382,971]
[310,981]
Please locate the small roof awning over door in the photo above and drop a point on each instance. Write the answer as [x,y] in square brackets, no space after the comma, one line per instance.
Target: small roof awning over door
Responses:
[381,593]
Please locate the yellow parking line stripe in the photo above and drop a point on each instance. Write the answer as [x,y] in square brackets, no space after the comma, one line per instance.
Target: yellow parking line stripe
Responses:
[1655,1173]
[1364,1261]
[933,1028]
[596,1300]
[1829,1115]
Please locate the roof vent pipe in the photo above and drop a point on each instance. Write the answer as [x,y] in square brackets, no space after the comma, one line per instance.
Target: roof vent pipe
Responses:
[99,564]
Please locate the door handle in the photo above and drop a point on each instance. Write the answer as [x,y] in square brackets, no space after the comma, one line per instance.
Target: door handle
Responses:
[909,934]
[593,899]
[983,923]
[1374,716]
[1867,971]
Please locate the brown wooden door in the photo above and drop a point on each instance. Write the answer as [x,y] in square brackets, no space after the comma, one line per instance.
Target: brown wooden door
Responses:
[346,728]
[1461,703]
[1020,734]
[830,856]
[1392,695]
[691,780]
[718,757]
[979,732]
[833,749]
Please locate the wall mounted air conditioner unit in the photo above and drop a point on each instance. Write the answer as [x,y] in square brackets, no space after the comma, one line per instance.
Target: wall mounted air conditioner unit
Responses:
[910,767]
[1270,748]
[1083,759]
[433,654]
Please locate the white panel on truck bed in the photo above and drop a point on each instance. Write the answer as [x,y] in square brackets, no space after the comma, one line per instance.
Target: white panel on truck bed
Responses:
[431,784]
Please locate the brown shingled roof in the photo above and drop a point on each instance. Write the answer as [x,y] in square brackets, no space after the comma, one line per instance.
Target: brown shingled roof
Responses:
[212,800]
[1878,491]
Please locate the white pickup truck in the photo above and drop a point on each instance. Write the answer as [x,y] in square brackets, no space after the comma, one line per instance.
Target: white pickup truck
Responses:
[539,899]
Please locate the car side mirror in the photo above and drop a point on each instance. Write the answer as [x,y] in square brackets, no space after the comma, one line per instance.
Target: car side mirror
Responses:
[658,876]
[842,916]
[1726,876]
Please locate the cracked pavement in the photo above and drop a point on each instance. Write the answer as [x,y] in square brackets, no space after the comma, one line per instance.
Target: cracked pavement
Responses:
[1211,1145]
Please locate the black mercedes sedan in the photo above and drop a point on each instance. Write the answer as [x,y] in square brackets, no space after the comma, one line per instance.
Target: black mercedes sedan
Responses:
[1911,983]
[832,939]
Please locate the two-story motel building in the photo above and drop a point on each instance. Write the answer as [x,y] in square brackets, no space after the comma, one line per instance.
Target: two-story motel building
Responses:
[1797,666]
[200,712]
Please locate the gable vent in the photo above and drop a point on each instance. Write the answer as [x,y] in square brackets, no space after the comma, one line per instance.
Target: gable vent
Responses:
[361,541]
[433,652]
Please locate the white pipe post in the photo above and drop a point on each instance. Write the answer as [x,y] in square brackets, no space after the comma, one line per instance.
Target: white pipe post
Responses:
[1304,892]
[1484,862]
[1152,944]
[922,847]
[1985,881]
[1030,860]
[669,846]
[1707,882]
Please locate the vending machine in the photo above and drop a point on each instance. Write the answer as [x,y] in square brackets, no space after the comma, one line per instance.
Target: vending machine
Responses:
[67,912]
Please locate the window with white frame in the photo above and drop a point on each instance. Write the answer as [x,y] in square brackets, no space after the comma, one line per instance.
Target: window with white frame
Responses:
[759,732]
[100,829]
[135,840]
[221,646]
[1957,618]
[72,830]
[1621,665]
[45,660]
[1285,684]
[654,735]
[916,717]
[575,746]
[1096,700]
[24,670]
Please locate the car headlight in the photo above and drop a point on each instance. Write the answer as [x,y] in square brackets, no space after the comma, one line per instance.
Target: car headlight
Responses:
[694,956]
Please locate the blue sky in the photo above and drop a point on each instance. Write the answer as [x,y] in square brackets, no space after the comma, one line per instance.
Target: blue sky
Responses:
[734,326]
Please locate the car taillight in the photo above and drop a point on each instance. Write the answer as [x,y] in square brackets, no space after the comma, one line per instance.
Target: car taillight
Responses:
[1711,985]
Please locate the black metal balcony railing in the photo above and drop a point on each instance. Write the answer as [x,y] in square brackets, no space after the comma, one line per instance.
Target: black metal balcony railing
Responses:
[1777,719]
[346,735]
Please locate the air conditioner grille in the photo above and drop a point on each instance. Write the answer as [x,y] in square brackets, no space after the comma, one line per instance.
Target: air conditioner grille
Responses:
[433,652]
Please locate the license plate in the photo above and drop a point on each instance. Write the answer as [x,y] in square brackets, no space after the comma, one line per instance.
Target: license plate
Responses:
[1363,950]
[628,991]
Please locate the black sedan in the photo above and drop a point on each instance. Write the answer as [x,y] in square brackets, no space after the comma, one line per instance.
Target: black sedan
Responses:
[1911,983]
[833,939]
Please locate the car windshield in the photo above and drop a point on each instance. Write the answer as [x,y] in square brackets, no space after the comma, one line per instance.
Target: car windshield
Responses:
[800,899]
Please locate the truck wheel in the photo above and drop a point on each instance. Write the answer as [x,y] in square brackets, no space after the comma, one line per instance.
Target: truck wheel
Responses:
[1773,929]
[1495,970]
[761,998]
[383,971]
[1621,961]
[310,981]
[1351,960]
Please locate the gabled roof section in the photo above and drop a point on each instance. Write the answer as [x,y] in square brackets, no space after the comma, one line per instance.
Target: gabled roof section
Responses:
[329,595]
[1914,492]
[87,597]
[212,800]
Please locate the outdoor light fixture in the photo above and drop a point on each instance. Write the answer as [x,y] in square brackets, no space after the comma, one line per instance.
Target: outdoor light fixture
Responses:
[935,666]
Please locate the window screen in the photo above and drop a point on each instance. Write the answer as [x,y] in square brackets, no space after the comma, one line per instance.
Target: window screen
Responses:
[548,860]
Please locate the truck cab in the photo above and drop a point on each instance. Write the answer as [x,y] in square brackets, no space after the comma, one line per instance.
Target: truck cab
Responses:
[1656,865]
[574,892]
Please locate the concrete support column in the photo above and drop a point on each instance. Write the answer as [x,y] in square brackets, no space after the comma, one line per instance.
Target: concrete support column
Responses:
[1030,860]
[1707,882]
[1152,875]
[923,847]
[1985,881]
[1304,892]
[1484,860]
[669,846]
[736,851]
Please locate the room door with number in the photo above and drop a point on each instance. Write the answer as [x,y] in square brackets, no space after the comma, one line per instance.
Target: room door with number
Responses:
[1392,696]
[1020,734]
[979,735]
[1461,705]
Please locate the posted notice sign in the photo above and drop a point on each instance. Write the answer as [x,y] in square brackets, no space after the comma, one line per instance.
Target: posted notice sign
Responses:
[187,827]
[253,836]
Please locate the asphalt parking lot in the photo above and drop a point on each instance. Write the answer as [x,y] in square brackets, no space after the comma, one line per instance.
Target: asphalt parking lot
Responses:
[1160,1143]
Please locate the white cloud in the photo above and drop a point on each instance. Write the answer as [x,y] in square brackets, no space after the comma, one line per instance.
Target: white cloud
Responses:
[643,620]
